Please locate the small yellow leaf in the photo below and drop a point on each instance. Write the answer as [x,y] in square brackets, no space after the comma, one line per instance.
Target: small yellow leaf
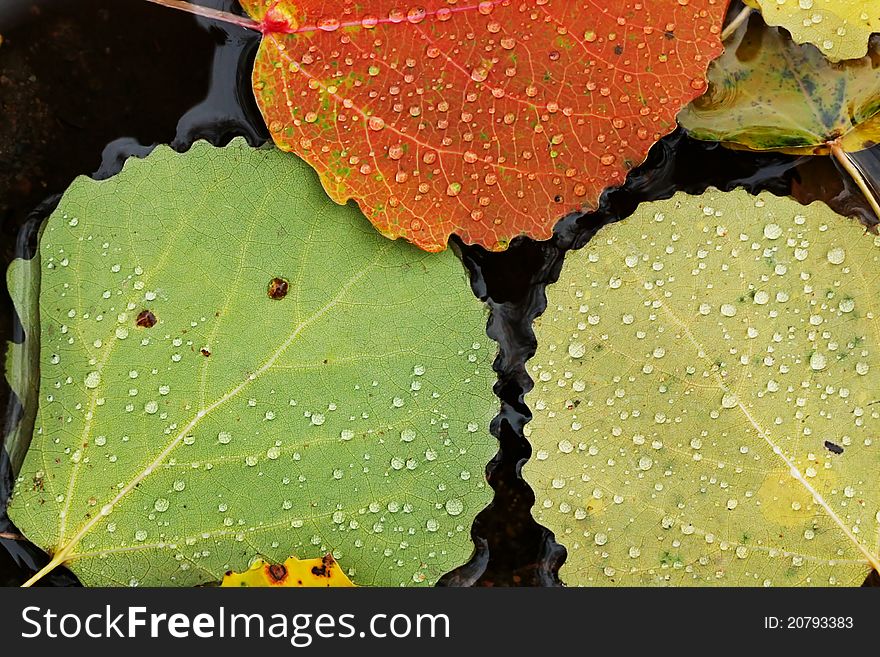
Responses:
[317,572]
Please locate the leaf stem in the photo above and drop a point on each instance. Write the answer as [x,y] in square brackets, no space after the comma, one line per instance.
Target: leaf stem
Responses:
[738,20]
[851,167]
[56,561]
[207,12]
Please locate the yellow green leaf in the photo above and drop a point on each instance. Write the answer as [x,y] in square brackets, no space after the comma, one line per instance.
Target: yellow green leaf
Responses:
[318,572]
[839,28]
[768,93]
[22,358]
[705,395]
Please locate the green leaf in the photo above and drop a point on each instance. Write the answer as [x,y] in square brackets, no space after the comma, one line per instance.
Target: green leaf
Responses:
[705,397]
[839,28]
[234,365]
[768,93]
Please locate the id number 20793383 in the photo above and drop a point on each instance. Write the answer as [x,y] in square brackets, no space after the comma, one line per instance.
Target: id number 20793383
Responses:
[808,622]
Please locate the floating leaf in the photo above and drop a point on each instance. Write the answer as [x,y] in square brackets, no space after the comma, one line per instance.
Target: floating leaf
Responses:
[320,572]
[487,119]
[768,93]
[23,283]
[705,397]
[232,364]
[839,28]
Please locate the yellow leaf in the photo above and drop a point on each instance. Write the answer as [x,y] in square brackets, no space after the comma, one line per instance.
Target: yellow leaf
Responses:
[704,405]
[838,28]
[317,572]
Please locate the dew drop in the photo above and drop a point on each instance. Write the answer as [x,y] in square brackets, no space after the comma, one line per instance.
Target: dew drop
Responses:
[577,349]
[454,506]
[328,24]
[479,74]
[729,400]
[772,231]
[836,256]
[416,15]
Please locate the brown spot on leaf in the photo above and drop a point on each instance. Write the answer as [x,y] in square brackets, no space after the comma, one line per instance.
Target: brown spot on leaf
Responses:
[204,352]
[145,319]
[276,572]
[326,567]
[278,288]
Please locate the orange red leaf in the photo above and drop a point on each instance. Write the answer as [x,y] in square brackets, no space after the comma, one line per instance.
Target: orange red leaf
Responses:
[487,119]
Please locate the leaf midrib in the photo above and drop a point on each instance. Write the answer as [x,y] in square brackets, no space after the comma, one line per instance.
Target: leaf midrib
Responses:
[792,469]
[65,550]
[113,341]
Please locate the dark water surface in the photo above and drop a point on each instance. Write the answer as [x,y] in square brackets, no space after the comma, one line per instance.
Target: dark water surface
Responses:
[84,84]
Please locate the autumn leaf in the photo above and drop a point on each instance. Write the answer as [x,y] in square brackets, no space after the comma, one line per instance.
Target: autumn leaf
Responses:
[293,573]
[231,364]
[768,93]
[705,382]
[486,119]
[840,29]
